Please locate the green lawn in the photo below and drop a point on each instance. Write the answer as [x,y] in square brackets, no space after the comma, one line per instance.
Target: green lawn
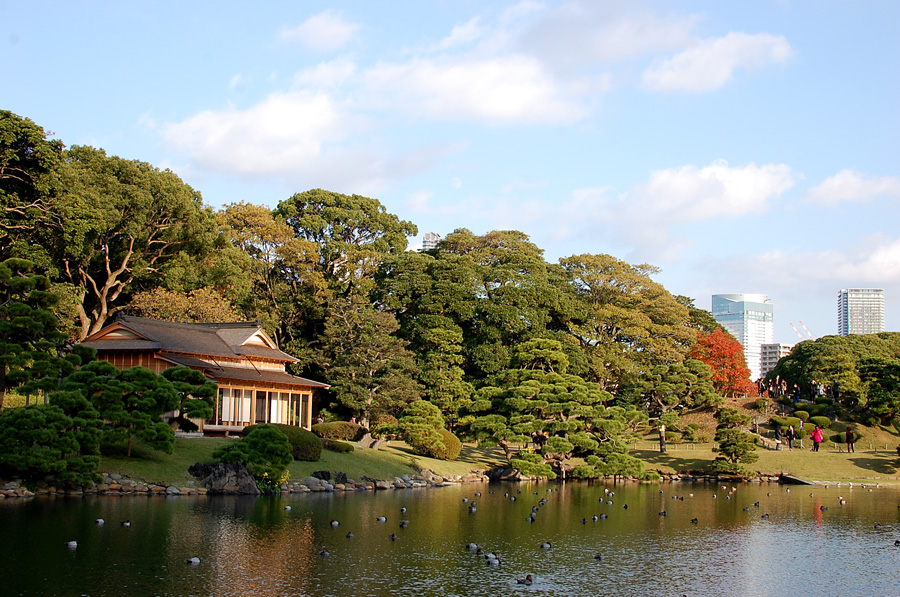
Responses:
[396,459]
[828,464]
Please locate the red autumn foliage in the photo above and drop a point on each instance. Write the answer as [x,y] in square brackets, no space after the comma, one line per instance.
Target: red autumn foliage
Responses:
[725,356]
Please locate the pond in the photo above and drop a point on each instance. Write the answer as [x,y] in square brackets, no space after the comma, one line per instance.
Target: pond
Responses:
[711,541]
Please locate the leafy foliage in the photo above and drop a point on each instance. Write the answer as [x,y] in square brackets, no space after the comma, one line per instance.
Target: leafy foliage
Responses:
[265,451]
[725,356]
[195,395]
[42,439]
[735,446]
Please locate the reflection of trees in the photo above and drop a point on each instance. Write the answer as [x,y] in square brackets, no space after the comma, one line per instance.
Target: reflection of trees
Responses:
[251,547]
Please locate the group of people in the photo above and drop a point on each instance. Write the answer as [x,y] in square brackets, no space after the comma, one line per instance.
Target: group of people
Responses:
[817,437]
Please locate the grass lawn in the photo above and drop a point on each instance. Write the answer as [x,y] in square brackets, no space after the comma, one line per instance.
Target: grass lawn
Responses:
[828,464]
[396,459]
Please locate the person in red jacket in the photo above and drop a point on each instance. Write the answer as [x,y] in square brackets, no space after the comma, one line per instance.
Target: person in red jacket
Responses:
[817,437]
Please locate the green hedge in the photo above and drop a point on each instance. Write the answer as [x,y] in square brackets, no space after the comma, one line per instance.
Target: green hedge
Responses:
[841,437]
[305,445]
[341,430]
[452,446]
[825,400]
[823,422]
[786,421]
[802,415]
[337,446]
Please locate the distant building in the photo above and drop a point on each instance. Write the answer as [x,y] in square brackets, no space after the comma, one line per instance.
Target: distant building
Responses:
[770,354]
[860,311]
[430,241]
[750,319]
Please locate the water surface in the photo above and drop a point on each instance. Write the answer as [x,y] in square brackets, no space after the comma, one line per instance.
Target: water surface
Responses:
[809,543]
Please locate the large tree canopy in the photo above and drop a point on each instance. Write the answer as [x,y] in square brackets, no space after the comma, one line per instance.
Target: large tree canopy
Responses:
[115,226]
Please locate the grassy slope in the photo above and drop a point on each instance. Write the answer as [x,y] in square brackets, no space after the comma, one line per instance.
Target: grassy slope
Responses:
[396,459]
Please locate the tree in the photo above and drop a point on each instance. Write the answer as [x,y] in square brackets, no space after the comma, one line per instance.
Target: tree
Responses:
[441,376]
[115,226]
[624,321]
[725,356]
[735,446]
[27,162]
[38,440]
[196,395]
[419,426]
[265,451]
[203,305]
[882,379]
[540,402]
[352,234]
[369,369]
[288,291]
[31,349]
[131,402]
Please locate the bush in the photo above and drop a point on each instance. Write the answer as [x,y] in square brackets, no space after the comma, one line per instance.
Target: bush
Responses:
[802,415]
[441,444]
[825,400]
[336,446]
[305,445]
[383,419]
[815,410]
[654,476]
[265,451]
[673,437]
[342,430]
[841,437]
[786,421]
[823,422]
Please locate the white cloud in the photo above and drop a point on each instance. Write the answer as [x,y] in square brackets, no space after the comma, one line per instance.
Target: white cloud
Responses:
[300,138]
[326,74]
[711,63]
[585,31]
[461,35]
[850,185]
[689,193]
[236,81]
[498,90]
[280,133]
[324,32]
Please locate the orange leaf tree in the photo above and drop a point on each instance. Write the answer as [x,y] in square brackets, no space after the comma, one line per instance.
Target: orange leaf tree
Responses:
[725,355]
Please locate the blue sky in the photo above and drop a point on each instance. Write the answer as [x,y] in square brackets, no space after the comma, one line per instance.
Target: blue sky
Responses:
[738,146]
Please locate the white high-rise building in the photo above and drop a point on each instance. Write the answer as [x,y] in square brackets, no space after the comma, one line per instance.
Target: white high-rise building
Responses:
[860,311]
[750,319]
[770,354]
[430,241]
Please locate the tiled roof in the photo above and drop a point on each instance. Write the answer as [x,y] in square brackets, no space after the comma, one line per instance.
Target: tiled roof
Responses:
[214,339]
[241,373]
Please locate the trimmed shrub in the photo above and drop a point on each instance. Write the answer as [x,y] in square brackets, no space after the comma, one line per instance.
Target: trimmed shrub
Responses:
[264,450]
[441,444]
[823,422]
[654,476]
[305,445]
[383,419]
[802,415]
[841,437]
[336,446]
[786,421]
[824,400]
[342,430]
[815,410]
[673,437]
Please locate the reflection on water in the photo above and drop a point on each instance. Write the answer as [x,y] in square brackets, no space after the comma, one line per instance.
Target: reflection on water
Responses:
[255,546]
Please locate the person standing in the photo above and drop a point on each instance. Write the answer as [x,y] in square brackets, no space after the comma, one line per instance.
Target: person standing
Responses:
[817,437]
[791,435]
[778,436]
[850,436]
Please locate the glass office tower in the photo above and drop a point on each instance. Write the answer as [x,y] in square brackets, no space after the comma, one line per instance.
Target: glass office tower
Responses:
[750,319]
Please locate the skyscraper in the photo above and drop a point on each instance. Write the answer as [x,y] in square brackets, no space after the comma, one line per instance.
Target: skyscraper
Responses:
[860,311]
[430,241]
[750,319]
